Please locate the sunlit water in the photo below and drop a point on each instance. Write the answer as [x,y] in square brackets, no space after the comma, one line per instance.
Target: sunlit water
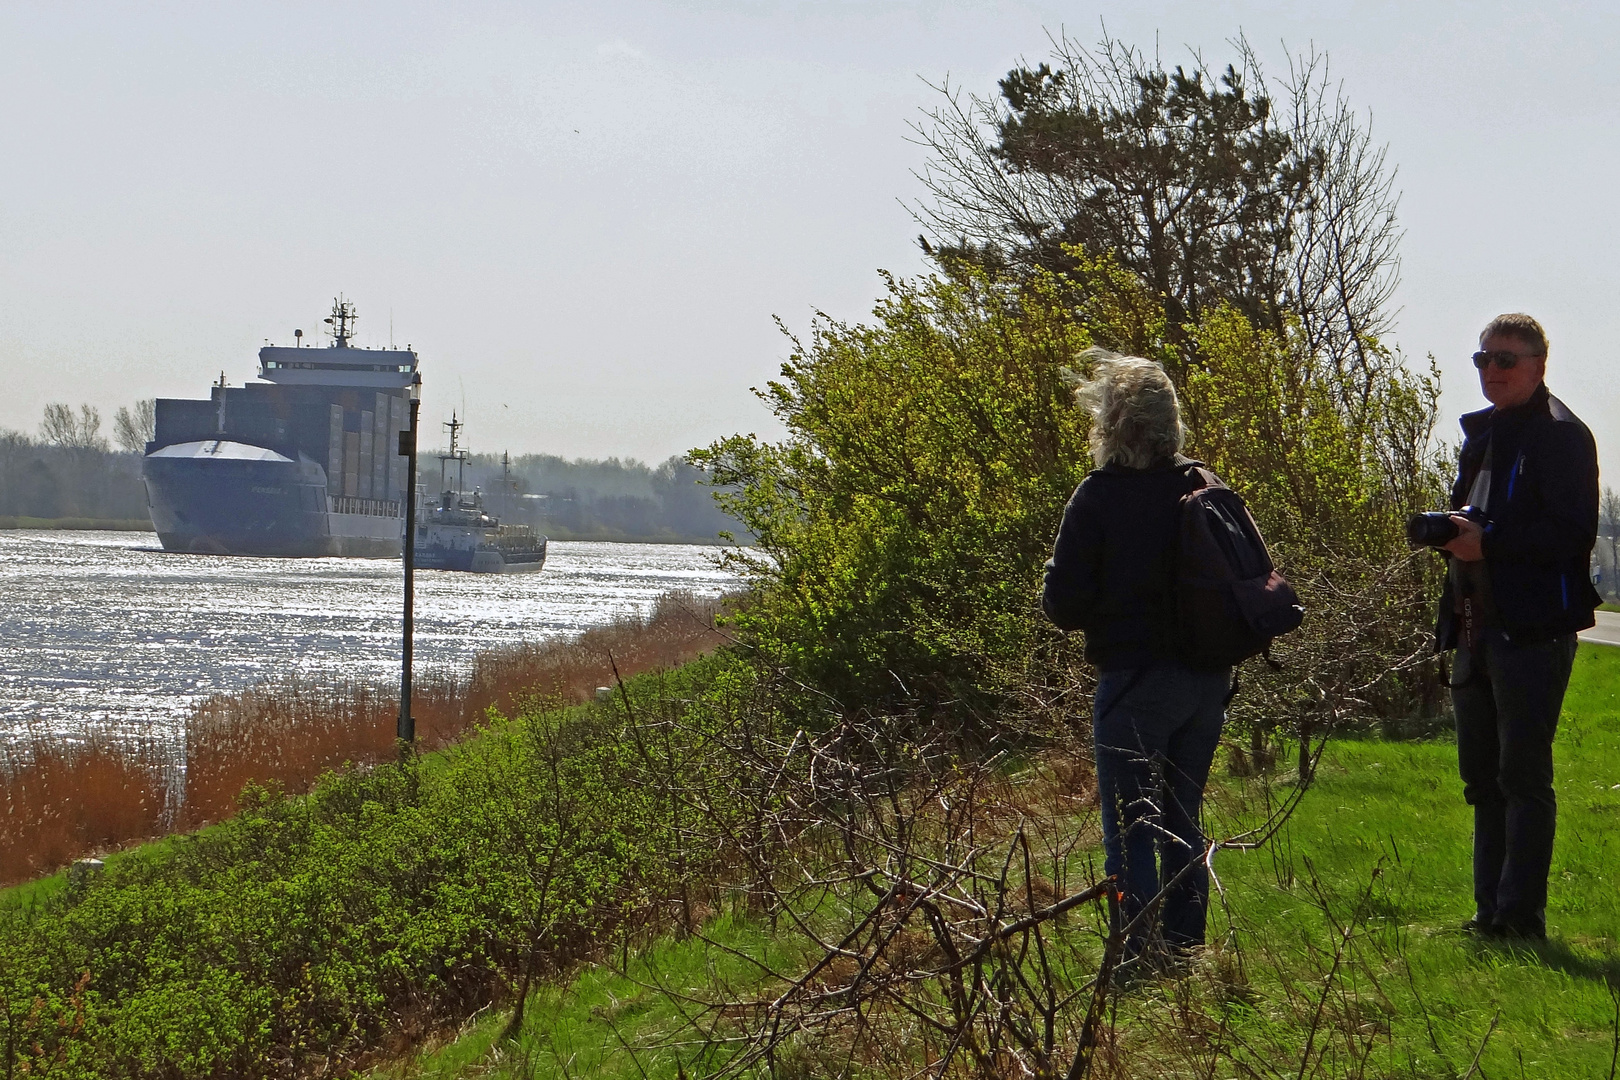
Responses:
[105,628]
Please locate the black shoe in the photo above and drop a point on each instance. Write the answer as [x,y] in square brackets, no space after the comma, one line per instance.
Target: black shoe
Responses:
[1481,927]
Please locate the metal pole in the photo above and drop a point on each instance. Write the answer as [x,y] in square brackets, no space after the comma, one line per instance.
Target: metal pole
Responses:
[407,448]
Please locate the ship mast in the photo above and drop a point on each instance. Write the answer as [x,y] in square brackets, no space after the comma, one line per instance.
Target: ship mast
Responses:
[342,321]
[456,454]
[506,486]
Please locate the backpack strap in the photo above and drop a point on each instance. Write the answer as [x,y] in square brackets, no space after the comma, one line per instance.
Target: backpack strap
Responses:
[1232,692]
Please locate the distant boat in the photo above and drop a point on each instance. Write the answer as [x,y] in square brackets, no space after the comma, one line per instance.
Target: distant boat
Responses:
[460,534]
[301,464]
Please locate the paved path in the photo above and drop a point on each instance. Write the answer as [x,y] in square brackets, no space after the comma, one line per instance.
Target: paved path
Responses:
[1607,630]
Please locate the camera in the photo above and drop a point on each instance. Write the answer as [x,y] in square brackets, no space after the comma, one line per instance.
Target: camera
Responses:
[1434,528]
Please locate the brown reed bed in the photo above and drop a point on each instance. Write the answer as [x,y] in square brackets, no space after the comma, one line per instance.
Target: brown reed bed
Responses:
[63,800]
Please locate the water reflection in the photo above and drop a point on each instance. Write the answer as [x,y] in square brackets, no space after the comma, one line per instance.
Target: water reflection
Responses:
[100,627]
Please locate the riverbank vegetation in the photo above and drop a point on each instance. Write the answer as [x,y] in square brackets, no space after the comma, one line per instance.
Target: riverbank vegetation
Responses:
[78,523]
[611,499]
[72,471]
[1335,948]
[303,933]
[679,881]
[63,799]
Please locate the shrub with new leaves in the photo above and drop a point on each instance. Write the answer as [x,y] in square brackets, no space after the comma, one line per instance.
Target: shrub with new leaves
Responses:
[902,524]
[1330,471]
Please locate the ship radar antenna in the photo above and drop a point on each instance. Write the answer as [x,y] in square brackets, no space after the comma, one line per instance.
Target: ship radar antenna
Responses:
[454,427]
[342,322]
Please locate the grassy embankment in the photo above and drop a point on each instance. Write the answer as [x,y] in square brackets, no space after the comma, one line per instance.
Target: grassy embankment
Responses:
[304,933]
[558,849]
[64,799]
[1342,935]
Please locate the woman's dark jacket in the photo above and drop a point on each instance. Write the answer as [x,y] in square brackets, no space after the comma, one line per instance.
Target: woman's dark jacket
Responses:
[1543,518]
[1112,571]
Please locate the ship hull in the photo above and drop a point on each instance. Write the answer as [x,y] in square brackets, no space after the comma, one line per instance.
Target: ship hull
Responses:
[479,560]
[482,548]
[237,503]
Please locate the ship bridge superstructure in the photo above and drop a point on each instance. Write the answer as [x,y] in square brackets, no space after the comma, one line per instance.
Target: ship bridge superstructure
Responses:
[340,363]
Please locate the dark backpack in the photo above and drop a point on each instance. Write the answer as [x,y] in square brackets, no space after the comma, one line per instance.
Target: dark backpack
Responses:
[1230,599]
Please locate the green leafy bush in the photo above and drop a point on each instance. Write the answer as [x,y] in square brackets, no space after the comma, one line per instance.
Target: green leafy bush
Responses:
[902,525]
[304,931]
[904,520]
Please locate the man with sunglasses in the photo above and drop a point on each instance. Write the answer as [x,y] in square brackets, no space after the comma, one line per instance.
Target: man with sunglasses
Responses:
[1517,591]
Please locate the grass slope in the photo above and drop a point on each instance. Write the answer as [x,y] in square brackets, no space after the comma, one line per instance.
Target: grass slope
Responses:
[1343,933]
[302,933]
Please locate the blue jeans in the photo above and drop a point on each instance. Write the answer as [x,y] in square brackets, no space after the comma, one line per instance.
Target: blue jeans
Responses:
[1507,697]
[1156,730]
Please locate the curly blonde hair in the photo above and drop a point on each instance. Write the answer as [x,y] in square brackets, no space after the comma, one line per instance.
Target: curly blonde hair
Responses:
[1135,415]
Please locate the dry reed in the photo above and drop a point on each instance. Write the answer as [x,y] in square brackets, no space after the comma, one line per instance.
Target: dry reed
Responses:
[66,800]
[63,799]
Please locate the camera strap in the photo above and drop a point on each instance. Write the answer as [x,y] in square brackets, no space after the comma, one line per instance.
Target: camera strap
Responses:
[1469,576]
[1479,492]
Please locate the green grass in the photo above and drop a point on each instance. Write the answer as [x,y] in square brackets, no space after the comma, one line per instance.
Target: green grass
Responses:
[1396,810]
[579,1027]
[1384,829]
[40,889]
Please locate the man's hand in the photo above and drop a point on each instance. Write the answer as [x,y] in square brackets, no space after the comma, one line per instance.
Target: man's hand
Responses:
[1466,544]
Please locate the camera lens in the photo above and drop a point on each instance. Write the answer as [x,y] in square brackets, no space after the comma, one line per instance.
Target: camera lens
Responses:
[1432,528]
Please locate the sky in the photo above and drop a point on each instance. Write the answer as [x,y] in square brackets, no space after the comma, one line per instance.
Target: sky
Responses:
[587,218]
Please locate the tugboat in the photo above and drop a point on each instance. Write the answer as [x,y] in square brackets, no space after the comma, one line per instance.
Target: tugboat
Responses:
[459,534]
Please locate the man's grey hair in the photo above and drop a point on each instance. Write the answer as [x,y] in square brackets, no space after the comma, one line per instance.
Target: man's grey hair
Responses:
[1135,416]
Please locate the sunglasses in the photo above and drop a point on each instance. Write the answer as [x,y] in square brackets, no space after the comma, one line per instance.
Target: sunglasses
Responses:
[1502,358]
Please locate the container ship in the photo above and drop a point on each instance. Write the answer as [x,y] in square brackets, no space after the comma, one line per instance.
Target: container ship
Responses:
[302,463]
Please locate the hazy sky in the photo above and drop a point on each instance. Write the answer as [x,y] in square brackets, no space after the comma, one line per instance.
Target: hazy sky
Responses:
[584,216]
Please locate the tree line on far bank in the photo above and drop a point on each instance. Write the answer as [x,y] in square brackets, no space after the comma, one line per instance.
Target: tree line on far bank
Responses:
[72,468]
[611,499]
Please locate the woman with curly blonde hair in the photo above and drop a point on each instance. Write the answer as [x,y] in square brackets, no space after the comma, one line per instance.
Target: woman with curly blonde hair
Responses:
[1156,720]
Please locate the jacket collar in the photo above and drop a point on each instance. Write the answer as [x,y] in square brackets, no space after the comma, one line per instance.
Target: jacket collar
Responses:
[1477,423]
[1177,462]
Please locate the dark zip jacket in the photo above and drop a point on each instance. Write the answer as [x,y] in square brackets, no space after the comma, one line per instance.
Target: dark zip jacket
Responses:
[1543,514]
[1112,571]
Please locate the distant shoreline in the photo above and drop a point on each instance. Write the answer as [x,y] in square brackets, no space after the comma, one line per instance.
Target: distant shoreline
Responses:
[143,525]
[84,523]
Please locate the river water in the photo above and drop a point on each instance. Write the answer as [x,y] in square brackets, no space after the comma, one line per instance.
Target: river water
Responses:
[107,629]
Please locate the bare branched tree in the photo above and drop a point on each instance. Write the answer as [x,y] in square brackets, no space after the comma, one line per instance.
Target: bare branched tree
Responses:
[949,917]
[132,430]
[1343,263]
[63,427]
[1212,187]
